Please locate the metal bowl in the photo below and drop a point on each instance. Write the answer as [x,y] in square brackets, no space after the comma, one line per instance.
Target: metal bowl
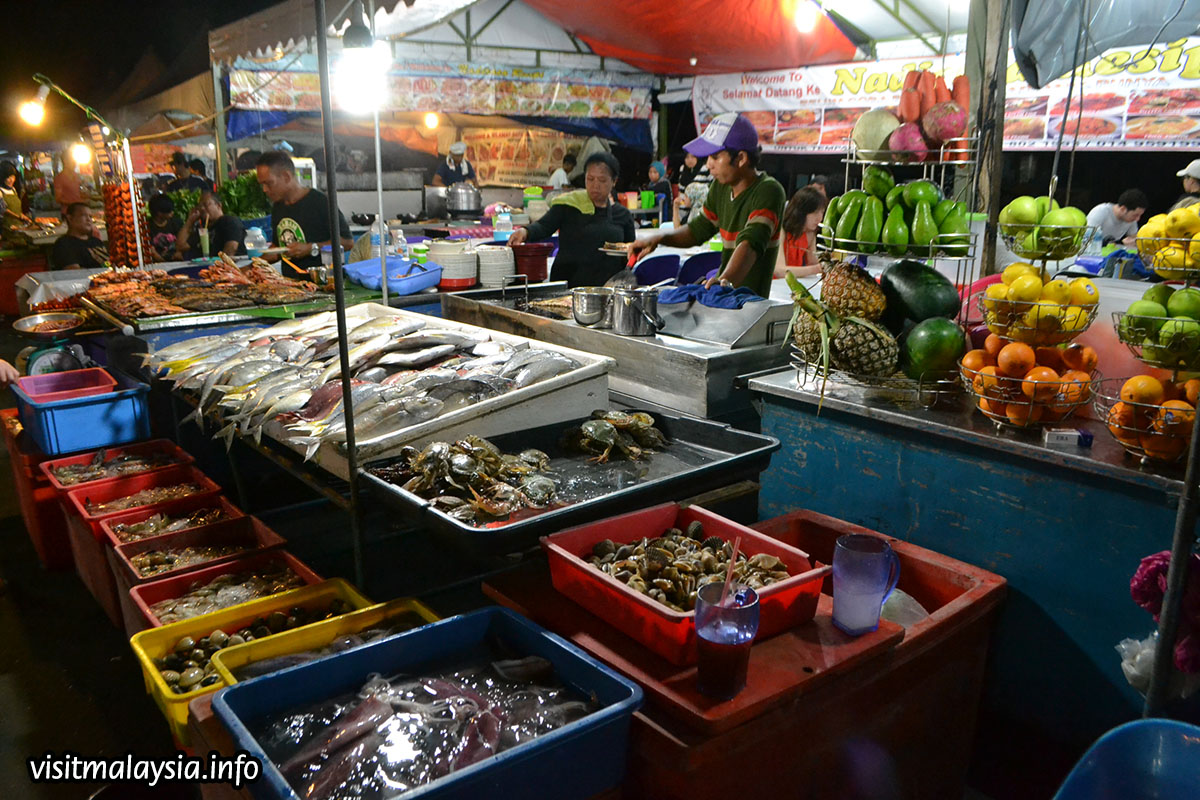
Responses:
[590,304]
[26,325]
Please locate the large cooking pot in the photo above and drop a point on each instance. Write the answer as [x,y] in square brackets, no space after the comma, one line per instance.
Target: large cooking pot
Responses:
[464,200]
[592,306]
[635,311]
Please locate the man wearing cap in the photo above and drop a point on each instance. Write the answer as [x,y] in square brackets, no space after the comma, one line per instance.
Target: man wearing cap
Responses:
[1191,185]
[743,205]
[184,178]
[456,168]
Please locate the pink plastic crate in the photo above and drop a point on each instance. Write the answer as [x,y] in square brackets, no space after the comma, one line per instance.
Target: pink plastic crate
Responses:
[249,532]
[164,446]
[103,491]
[147,594]
[173,508]
[67,385]
[672,634]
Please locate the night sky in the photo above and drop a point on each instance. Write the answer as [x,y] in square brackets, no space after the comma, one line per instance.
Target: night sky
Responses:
[89,47]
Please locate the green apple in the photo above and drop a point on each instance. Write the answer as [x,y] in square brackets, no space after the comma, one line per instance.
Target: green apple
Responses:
[1143,318]
[1019,215]
[1159,293]
[1045,205]
[1151,351]
[1079,219]
[1185,303]
[1180,340]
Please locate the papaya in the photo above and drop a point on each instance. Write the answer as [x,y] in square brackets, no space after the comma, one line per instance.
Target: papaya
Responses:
[924,230]
[894,197]
[918,191]
[870,225]
[942,210]
[895,232]
[955,234]
[847,224]
[877,181]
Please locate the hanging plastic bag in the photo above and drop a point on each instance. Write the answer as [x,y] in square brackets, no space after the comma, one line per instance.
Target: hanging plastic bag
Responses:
[1137,663]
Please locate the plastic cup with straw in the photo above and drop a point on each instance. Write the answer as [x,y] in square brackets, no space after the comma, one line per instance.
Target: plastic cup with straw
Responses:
[725,628]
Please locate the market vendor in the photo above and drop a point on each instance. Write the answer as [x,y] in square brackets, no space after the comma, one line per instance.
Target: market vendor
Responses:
[300,215]
[225,232]
[585,219]
[1117,223]
[79,247]
[1191,185]
[456,168]
[743,205]
[10,191]
[185,180]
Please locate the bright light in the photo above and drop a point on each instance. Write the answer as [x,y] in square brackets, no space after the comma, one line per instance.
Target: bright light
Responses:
[212,146]
[360,81]
[431,120]
[692,61]
[81,153]
[104,130]
[806,16]
[33,112]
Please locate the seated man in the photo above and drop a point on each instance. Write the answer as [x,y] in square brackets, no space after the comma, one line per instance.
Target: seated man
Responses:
[79,247]
[226,234]
[1117,223]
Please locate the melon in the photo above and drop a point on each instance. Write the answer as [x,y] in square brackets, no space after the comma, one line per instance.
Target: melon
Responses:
[907,143]
[943,122]
[871,133]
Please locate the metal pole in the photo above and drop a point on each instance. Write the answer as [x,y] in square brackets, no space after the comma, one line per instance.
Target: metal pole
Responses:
[1177,572]
[383,281]
[220,165]
[137,231]
[339,284]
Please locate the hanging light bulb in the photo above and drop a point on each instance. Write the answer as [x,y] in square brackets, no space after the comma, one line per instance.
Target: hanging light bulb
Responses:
[34,111]
[806,16]
[81,153]
[360,80]
[431,120]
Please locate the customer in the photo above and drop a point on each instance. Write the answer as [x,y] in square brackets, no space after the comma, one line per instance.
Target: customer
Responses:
[743,205]
[690,203]
[184,179]
[658,182]
[10,192]
[693,171]
[1117,223]
[163,227]
[79,247]
[225,232]
[561,178]
[801,219]
[1191,185]
[66,187]
[198,169]
[585,219]
[821,184]
[456,168]
[300,215]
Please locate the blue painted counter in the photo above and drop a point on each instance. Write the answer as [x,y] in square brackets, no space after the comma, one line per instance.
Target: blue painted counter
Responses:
[1065,527]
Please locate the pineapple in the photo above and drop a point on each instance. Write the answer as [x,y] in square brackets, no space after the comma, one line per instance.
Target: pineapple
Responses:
[850,290]
[848,343]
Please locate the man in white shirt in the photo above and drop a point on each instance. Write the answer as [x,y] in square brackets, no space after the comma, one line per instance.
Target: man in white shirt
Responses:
[560,179]
[1117,223]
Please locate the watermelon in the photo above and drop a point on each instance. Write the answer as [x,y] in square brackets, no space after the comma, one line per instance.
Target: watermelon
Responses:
[916,291]
[932,346]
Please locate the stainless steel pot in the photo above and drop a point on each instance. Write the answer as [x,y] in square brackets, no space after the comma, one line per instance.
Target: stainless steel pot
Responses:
[463,199]
[635,312]
[592,306]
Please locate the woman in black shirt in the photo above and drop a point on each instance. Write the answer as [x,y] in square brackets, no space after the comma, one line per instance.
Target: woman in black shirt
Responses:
[585,219]
[226,234]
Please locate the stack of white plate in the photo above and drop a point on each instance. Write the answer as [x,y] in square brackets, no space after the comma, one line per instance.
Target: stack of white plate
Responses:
[458,269]
[441,247]
[496,263]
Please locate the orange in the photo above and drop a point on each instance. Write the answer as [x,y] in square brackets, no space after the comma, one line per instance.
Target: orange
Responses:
[992,407]
[1080,357]
[976,360]
[1162,447]
[1191,391]
[1041,383]
[986,380]
[1175,417]
[1052,413]
[1023,414]
[1172,391]
[1142,389]
[993,344]
[1015,359]
[1049,357]
[1125,423]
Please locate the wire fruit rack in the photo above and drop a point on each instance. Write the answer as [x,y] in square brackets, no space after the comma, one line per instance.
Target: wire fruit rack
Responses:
[1024,403]
[931,389]
[1038,323]
[1153,433]
[1171,343]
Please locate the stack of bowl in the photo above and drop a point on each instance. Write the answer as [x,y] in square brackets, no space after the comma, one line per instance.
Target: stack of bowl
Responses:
[532,260]
[459,267]
[496,263]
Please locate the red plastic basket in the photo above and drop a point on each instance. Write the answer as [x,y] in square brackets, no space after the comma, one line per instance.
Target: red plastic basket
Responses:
[76,499]
[67,385]
[91,565]
[173,508]
[147,594]
[38,500]
[672,634]
[153,446]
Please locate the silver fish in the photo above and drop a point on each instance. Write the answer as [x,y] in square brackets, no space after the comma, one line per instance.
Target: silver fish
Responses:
[493,348]
[395,415]
[293,350]
[463,392]
[543,368]
[519,360]
[426,379]
[294,327]
[357,356]
[372,374]
[416,358]
[431,337]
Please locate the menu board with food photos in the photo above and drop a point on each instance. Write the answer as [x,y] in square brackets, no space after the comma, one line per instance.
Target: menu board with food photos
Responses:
[517,156]
[1128,98]
[463,88]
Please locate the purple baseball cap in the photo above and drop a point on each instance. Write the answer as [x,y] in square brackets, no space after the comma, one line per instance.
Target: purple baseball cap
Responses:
[728,131]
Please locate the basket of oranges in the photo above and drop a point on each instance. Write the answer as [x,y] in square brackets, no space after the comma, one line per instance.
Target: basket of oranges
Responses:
[1149,418]
[1028,307]
[1020,386]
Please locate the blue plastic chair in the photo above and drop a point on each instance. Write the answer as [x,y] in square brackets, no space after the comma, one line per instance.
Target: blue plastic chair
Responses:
[1150,758]
[697,266]
[656,268]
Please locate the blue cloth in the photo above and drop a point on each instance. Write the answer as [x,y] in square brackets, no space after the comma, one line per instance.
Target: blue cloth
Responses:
[716,297]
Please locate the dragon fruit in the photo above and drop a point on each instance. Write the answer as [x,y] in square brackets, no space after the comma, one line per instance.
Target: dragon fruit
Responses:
[907,144]
[943,122]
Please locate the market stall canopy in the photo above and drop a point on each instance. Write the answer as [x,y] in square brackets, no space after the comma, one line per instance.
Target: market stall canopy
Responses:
[720,35]
[1044,33]
[170,112]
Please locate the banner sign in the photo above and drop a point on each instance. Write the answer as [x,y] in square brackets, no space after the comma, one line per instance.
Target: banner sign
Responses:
[1132,99]
[463,88]
[517,157]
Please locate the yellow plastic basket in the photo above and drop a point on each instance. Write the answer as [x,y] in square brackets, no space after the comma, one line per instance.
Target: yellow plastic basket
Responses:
[317,635]
[158,642]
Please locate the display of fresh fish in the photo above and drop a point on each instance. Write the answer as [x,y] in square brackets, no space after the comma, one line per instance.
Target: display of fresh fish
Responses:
[542,368]
[372,374]
[358,355]
[425,380]
[430,337]
[293,350]
[417,358]
[392,415]
[462,392]
[299,326]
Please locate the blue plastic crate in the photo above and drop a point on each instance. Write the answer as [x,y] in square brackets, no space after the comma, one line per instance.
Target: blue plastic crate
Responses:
[1149,759]
[87,423]
[419,277]
[580,760]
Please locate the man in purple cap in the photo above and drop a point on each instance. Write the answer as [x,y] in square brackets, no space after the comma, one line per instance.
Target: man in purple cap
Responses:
[743,205]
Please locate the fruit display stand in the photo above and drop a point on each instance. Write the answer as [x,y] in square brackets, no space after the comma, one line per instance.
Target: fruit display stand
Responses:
[1064,525]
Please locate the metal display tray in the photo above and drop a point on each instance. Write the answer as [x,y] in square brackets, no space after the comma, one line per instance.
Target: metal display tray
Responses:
[734,455]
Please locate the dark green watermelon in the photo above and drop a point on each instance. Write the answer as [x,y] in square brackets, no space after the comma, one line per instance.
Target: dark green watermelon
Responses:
[917,292]
[934,345]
